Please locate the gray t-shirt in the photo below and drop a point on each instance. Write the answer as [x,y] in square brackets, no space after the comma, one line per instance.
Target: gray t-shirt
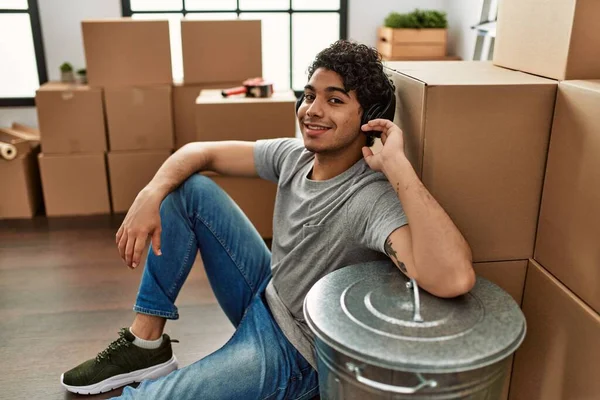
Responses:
[319,227]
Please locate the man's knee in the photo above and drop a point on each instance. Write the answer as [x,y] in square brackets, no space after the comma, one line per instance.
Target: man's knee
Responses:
[194,192]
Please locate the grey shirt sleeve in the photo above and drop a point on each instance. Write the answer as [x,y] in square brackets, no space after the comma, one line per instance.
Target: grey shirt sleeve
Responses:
[374,213]
[270,156]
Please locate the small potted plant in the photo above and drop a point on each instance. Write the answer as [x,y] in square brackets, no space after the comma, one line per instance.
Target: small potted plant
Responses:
[66,73]
[82,76]
[419,34]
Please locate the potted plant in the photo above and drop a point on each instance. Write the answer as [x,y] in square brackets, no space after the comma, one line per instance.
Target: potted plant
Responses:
[66,73]
[82,76]
[419,34]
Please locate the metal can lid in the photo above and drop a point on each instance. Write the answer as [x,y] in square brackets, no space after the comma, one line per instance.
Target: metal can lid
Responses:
[367,311]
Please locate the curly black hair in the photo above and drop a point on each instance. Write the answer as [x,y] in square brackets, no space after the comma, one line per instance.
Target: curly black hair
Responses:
[361,69]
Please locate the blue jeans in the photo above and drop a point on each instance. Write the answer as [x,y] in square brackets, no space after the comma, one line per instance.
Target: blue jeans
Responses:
[258,362]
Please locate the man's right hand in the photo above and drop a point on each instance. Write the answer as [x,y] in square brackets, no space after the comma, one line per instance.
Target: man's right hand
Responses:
[142,220]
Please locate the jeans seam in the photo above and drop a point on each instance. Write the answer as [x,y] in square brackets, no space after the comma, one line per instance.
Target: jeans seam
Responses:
[227,250]
[185,260]
[274,393]
[158,313]
[307,393]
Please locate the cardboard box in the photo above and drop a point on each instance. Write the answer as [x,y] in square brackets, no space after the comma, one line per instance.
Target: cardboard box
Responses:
[247,118]
[477,136]
[127,52]
[130,172]
[557,39]
[184,103]
[510,276]
[74,184]
[255,196]
[139,118]
[568,236]
[71,118]
[21,189]
[221,51]
[411,42]
[559,358]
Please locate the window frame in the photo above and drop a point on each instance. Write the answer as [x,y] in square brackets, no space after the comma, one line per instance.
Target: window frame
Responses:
[40,57]
[342,11]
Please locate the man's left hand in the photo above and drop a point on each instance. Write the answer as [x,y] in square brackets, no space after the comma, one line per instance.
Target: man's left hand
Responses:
[393,144]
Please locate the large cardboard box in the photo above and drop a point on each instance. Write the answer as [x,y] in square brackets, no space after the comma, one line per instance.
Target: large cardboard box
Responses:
[221,51]
[184,103]
[123,52]
[557,39]
[71,118]
[559,358]
[510,276]
[477,136]
[129,173]
[21,189]
[254,196]
[568,238]
[139,118]
[74,184]
[247,118]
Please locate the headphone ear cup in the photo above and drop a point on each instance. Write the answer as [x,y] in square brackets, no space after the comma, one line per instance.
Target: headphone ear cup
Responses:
[374,112]
[299,102]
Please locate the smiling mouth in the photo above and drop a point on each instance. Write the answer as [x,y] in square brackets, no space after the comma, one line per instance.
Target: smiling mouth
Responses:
[316,128]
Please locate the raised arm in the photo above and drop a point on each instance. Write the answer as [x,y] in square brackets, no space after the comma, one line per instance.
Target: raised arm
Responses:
[430,249]
[232,158]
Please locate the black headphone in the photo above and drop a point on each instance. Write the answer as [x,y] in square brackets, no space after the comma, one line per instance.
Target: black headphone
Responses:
[384,110]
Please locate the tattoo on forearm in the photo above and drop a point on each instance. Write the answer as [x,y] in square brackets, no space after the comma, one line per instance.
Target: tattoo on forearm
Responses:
[392,254]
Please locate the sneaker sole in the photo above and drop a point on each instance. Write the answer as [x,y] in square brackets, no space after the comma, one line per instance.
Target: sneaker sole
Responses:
[117,381]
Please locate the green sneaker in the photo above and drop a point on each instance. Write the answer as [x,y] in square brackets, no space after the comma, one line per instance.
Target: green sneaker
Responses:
[120,364]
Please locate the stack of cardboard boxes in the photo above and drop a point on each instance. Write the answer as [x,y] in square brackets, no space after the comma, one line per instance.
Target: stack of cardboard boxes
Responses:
[561,301]
[478,135]
[210,66]
[131,61]
[104,141]
[72,162]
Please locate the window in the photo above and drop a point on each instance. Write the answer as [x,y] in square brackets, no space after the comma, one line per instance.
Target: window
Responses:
[23,66]
[293,31]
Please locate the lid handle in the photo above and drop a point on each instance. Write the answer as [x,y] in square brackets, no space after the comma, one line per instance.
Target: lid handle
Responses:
[423,383]
[412,284]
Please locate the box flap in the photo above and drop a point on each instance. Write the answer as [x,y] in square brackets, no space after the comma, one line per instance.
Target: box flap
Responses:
[592,85]
[464,73]
[62,86]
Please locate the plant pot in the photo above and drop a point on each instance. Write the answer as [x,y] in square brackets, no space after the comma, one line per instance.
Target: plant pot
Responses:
[412,43]
[82,79]
[67,77]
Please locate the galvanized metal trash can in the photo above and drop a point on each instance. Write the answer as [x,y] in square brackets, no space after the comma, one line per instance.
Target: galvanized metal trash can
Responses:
[378,336]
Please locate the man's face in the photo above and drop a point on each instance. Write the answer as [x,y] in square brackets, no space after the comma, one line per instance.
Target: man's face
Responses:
[329,117]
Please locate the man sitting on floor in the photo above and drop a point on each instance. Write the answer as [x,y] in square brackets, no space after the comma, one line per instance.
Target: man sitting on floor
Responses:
[337,204]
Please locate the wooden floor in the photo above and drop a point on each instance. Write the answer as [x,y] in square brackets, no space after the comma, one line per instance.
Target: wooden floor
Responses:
[64,295]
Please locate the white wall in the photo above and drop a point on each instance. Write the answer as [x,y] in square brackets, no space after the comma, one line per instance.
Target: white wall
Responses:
[61,28]
[61,33]
[365,16]
[462,15]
